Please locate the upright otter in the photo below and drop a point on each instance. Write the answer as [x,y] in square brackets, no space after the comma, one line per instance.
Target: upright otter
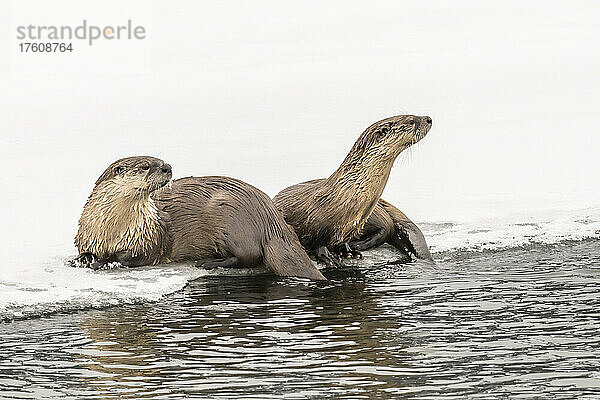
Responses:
[328,213]
[132,217]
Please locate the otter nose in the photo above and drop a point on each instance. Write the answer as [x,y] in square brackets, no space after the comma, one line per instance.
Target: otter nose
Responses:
[428,120]
[166,169]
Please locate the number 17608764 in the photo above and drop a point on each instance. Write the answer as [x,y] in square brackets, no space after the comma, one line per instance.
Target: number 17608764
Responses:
[45,47]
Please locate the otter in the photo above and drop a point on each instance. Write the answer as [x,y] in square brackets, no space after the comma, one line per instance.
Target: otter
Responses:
[136,216]
[327,214]
[387,224]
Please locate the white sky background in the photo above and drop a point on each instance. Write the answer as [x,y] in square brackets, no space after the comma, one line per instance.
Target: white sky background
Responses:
[275,93]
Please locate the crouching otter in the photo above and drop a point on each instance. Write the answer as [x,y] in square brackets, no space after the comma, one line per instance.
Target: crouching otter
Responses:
[329,213]
[135,218]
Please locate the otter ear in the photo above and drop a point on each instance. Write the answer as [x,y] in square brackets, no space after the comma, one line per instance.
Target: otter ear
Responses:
[119,169]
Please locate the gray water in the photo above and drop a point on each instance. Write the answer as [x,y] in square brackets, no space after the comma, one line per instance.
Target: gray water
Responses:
[516,323]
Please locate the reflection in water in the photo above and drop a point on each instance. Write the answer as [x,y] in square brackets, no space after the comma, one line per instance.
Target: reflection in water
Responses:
[520,321]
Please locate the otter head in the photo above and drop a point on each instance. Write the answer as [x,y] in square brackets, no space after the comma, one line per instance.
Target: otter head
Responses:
[387,138]
[120,215]
[361,178]
[135,176]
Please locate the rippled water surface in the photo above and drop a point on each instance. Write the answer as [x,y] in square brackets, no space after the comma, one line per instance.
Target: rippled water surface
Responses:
[513,323]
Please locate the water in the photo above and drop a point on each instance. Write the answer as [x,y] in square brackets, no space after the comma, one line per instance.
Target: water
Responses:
[521,322]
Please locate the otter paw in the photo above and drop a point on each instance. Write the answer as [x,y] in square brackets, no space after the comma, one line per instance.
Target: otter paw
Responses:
[345,251]
[328,258]
[84,260]
[103,265]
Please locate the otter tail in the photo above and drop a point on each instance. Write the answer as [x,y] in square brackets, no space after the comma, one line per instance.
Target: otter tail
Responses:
[286,257]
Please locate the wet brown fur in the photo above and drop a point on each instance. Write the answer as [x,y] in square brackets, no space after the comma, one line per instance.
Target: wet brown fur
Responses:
[120,215]
[221,217]
[132,217]
[328,212]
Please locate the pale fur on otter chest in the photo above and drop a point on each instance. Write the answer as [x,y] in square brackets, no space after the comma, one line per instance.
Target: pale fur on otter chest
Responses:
[353,200]
[116,218]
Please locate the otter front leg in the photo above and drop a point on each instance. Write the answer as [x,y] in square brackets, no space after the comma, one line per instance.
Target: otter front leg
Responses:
[212,263]
[375,240]
[323,255]
[344,251]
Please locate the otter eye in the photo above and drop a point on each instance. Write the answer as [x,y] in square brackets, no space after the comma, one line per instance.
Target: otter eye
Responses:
[145,168]
[384,131]
[411,122]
